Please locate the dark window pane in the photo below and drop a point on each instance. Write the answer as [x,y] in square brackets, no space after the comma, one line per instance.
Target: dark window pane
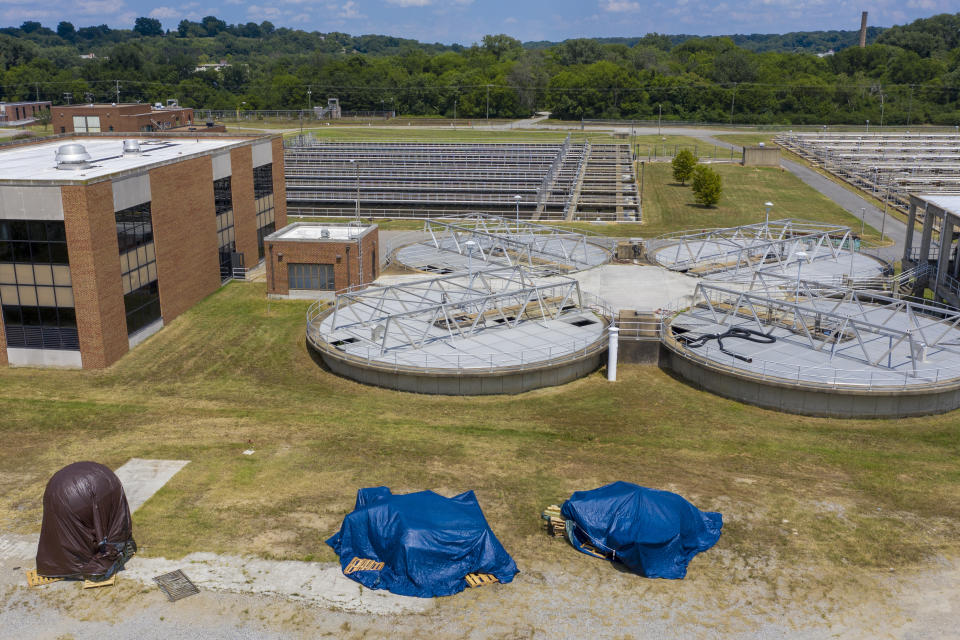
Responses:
[21,251]
[40,251]
[37,230]
[56,232]
[6,251]
[68,316]
[31,317]
[18,229]
[11,315]
[48,316]
[58,253]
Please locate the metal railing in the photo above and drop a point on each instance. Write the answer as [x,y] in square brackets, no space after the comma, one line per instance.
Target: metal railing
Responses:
[499,362]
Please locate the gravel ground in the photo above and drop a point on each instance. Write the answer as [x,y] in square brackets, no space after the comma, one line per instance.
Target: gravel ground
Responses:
[570,596]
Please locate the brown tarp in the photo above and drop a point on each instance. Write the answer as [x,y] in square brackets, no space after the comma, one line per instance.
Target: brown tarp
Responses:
[86,531]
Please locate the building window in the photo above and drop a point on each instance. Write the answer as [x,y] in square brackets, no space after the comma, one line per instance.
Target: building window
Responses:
[226,237]
[263,196]
[86,124]
[36,291]
[310,276]
[138,266]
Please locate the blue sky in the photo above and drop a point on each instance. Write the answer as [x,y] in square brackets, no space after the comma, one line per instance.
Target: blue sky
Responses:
[466,21]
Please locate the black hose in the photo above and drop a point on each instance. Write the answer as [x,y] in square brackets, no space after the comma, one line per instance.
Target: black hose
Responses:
[734,332]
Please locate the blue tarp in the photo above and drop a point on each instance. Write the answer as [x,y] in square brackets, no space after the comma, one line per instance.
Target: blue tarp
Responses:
[654,533]
[428,543]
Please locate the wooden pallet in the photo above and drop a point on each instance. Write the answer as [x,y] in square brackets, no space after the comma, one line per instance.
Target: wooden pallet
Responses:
[480,579]
[109,582]
[36,580]
[362,564]
[553,522]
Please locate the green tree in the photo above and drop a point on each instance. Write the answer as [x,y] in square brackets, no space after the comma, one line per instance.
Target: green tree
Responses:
[67,31]
[148,26]
[683,165]
[707,185]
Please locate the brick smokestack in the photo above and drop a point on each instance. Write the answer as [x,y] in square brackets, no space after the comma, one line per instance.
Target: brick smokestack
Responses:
[863,30]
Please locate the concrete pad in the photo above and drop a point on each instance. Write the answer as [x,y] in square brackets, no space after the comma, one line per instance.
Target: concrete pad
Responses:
[143,478]
[316,583]
[638,287]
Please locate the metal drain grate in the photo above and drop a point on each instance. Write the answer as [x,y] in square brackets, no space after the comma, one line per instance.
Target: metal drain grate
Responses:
[176,585]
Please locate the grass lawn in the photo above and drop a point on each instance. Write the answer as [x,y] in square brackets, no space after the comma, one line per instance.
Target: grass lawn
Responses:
[668,206]
[233,373]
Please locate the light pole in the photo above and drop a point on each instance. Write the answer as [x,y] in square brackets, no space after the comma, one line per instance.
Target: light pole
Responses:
[868,126]
[238,109]
[659,117]
[801,256]
[766,224]
[356,165]
[517,199]
[883,222]
[469,245]
[863,217]
[310,99]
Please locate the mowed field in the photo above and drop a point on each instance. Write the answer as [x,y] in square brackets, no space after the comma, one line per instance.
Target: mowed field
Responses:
[234,373]
[668,206]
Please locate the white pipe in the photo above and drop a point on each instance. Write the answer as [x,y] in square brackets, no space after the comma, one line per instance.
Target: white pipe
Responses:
[612,354]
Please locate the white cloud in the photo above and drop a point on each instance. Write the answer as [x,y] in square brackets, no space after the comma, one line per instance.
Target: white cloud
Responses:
[620,6]
[97,7]
[428,3]
[164,12]
[350,10]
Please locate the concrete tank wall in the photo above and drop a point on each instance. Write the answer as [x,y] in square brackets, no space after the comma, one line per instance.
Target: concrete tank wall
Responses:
[813,401]
[470,384]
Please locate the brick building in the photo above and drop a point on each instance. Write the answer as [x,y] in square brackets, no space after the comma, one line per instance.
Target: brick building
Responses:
[119,118]
[304,258]
[21,112]
[104,240]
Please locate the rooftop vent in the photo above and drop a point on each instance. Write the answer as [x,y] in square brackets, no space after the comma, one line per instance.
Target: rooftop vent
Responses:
[325,233]
[131,148]
[72,157]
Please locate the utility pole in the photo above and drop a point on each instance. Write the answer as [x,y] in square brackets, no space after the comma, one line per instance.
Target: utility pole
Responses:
[67,96]
[488,105]
[37,87]
[733,99]
[881,112]
[659,117]
[118,92]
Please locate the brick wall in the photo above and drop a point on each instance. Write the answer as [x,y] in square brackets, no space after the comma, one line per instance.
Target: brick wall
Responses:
[244,208]
[185,233]
[95,270]
[3,345]
[346,272]
[279,185]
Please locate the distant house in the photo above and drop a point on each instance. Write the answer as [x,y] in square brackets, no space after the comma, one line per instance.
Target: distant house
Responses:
[212,66]
[825,54]
[88,56]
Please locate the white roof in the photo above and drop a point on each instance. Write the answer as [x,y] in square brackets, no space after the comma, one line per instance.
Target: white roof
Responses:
[302,231]
[946,202]
[36,162]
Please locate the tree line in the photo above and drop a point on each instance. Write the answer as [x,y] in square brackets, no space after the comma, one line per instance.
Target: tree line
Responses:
[908,75]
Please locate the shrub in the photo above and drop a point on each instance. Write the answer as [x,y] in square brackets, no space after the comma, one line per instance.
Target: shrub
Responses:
[707,185]
[683,164]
